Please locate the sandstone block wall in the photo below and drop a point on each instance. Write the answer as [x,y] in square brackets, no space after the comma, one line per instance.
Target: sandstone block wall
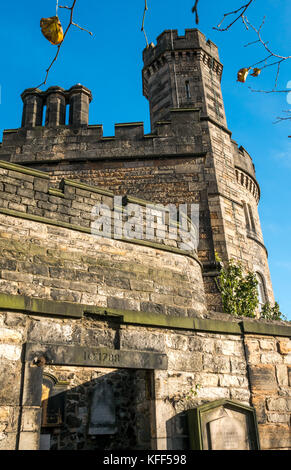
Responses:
[151,304]
[202,366]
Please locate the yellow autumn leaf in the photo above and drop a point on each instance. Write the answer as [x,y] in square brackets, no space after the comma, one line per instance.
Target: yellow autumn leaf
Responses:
[52,29]
[256,72]
[242,75]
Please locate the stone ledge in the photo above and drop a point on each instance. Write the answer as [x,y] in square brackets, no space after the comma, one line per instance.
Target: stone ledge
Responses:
[259,243]
[23,169]
[67,309]
[56,192]
[40,306]
[217,326]
[96,357]
[86,187]
[266,329]
[100,158]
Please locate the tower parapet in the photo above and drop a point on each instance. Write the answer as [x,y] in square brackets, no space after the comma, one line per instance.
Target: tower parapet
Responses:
[183,72]
[169,40]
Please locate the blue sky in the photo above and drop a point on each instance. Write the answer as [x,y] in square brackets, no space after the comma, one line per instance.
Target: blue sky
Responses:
[110,64]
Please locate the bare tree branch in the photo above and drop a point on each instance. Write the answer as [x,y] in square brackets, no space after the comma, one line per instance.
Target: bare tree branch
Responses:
[241,12]
[271,53]
[265,44]
[71,23]
[142,26]
[288,118]
[195,10]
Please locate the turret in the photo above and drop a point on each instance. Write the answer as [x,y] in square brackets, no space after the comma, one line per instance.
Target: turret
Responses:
[182,72]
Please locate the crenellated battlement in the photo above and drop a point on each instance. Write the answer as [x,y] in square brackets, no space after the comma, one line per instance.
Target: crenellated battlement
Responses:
[65,142]
[170,41]
[110,291]
[173,73]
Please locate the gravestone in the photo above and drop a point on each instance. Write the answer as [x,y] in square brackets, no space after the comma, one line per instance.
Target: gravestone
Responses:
[103,415]
[223,425]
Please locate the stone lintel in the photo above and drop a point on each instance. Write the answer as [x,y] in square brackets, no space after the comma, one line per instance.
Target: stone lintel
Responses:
[94,357]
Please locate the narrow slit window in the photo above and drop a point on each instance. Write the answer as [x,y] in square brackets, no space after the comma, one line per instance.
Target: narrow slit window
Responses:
[261,291]
[188,94]
[247,219]
[253,225]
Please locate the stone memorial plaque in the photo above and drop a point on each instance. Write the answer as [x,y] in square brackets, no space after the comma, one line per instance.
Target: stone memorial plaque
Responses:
[227,433]
[102,416]
[223,425]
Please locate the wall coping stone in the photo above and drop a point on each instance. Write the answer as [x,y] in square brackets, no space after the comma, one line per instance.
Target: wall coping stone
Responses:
[23,169]
[29,305]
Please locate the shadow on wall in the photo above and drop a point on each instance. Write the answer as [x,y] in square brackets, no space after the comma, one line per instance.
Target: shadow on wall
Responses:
[177,432]
[109,412]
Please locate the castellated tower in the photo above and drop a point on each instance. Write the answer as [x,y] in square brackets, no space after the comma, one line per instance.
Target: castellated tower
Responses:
[189,157]
[183,72]
[120,342]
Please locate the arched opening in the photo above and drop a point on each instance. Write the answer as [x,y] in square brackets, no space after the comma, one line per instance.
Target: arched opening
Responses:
[53,399]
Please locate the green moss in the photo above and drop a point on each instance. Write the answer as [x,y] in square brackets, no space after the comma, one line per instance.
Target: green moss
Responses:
[68,309]
[40,306]
[56,192]
[261,328]
[12,302]
[218,326]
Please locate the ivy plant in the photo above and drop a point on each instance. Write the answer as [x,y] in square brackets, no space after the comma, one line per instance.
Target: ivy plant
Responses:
[240,294]
[272,313]
[238,289]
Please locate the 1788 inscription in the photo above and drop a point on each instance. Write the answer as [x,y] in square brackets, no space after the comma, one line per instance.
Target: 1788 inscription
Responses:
[95,357]
[102,357]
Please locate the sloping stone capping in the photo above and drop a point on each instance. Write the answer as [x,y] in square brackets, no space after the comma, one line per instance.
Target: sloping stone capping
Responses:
[27,193]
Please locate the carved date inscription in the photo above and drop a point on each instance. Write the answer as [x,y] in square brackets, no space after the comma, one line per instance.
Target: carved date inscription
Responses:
[101,357]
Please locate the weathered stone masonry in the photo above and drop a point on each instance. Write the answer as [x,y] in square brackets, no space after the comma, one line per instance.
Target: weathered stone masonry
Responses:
[136,324]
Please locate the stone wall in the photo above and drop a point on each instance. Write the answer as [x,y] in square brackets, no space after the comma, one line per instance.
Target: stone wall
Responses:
[132,409]
[269,360]
[203,366]
[60,285]
[140,317]
[43,261]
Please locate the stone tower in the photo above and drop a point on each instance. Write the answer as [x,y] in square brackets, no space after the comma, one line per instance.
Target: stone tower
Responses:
[183,72]
[134,327]
[189,157]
